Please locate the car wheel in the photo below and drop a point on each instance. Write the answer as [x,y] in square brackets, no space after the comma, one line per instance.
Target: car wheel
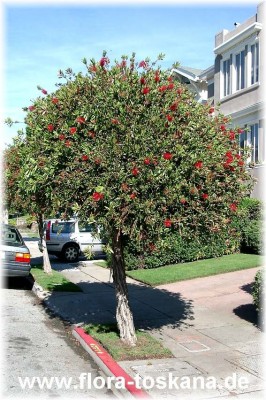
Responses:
[70,253]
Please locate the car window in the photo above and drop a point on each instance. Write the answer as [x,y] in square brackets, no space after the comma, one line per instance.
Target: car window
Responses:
[85,227]
[11,237]
[63,227]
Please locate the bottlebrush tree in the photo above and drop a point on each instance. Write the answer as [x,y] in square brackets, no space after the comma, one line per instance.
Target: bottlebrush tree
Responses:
[130,148]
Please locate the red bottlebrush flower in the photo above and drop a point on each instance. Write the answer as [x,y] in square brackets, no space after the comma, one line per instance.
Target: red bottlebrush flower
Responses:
[103,61]
[183,200]
[62,137]
[232,135]
[162,88]
[223,128]
[229,157]
[198,164]
[167,156]
[97,196]
[157,77]
[173,106]
[179,91]
[238,156]
[211,110]
[85,157]
[44,91]
[169,117]
[135,171]
[50,127]
[168,223]
[142,81]
[133,196]
[91,134]
[145,90]
[240,131]
[241,163]
[147,161]
[67,143]
[205,196]
[233,207]
[54,100]
[170,86]
[170,79]
[80,120]
[97,161]
[72,130]
[114,121]
[143,64]
[31,108]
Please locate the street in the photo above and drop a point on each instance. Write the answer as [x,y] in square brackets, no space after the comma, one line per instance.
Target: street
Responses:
[36,344]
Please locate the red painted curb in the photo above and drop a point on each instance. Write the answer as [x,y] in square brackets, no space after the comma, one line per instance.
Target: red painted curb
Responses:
[111,364]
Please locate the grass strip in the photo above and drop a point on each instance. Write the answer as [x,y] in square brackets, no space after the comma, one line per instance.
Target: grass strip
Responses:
[108,336]
[196,269]
[54,282]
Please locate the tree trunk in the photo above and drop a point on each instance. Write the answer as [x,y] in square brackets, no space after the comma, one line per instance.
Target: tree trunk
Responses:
[46,260]
[123,313]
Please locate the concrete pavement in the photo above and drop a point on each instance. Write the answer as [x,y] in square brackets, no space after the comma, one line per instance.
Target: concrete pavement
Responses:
[209,325]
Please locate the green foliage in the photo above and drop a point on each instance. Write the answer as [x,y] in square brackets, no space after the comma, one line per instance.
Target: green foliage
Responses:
[174,248]
[249,223]
[258,291]
[252,237]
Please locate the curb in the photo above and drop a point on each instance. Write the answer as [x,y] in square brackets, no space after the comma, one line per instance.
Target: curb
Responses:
[109,366]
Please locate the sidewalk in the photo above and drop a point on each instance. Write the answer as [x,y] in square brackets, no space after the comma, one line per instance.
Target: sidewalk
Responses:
[207,323]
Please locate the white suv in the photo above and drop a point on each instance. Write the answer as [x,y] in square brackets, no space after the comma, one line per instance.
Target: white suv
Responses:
[68,239]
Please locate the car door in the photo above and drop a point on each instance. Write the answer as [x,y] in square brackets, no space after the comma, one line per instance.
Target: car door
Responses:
[62,232]
[86,238]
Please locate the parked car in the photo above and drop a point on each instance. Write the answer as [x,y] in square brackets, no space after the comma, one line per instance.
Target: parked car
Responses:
[15,255]
[69,239]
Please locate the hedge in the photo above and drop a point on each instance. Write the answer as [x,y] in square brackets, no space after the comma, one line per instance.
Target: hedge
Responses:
[174,248]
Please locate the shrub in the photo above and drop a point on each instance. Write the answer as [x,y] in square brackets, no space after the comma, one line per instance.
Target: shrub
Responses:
[252,238]
[174,248]
[258,294]
[249,223]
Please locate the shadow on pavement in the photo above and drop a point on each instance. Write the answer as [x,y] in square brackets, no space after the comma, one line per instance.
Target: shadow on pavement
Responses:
[18,283]
[248,311]
[152,308]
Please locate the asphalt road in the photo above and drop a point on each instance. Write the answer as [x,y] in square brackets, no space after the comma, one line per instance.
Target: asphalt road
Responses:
[36,344]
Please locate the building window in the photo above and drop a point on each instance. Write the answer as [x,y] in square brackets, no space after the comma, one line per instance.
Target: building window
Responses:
[211,90]
[250,139]
[254,63]
[240,70]
[227,77]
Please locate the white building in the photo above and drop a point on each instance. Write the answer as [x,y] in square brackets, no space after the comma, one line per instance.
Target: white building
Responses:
[236,84]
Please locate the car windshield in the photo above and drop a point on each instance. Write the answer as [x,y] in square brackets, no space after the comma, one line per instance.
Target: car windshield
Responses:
[11,237]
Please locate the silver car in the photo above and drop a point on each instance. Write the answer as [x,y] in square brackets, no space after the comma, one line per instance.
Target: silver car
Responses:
[69,239]
[15,255]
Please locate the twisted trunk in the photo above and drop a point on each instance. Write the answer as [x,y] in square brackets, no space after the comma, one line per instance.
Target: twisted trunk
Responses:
[46,260]
[123,313]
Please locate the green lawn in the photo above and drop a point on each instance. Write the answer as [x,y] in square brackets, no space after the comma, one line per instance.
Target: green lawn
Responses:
[196,269]
[147,346]
[54,282]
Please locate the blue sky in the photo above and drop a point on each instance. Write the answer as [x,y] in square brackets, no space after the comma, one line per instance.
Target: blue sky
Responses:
[41,39]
